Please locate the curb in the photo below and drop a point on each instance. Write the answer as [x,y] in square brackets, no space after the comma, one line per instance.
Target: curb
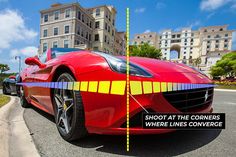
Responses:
[225,90]
[14,135]
[5,125]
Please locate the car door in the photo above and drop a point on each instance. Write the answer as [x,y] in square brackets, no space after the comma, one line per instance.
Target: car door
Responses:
[40,93]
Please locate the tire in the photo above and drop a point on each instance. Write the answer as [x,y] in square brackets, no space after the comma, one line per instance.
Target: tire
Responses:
[4,90]
[24,103]
[69,111]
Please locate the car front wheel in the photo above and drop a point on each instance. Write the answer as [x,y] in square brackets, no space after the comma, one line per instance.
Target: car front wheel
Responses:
[69,111]
[24,103]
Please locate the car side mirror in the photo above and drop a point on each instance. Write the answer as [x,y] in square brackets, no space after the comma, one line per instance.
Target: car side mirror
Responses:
[34,61]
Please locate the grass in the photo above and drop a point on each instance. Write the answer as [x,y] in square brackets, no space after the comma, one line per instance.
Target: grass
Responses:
[226,87]
[4,99]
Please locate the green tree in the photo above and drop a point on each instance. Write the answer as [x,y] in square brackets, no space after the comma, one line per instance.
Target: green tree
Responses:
[145,50]
[197,62]
[226,66]
[4,67]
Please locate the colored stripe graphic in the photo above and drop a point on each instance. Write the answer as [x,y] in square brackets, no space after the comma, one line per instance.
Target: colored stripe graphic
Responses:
[118,87]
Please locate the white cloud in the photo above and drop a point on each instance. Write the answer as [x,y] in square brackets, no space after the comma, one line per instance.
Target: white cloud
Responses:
[233,6]
[147,31]
[194,24]
[27,51]
[210,15]
[139,10]
[160,5]
[234,41]
[13,29]
[209,5]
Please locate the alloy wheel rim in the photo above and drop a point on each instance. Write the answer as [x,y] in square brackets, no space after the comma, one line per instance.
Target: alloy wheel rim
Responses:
[64,108]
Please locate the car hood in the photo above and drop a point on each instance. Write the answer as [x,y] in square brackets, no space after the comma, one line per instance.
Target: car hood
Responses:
[169,71]
[158,66]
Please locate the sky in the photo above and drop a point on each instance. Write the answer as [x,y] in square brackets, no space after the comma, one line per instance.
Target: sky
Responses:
[19,20]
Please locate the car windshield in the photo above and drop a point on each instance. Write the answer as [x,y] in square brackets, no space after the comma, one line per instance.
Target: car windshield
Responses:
[61,51]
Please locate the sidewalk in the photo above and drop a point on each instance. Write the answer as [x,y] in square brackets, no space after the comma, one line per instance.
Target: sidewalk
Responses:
[225,90]
[14,134]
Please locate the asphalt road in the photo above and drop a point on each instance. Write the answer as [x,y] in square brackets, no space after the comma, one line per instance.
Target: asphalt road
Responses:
[183,143]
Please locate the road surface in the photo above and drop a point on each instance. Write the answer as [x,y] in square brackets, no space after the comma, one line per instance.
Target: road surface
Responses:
[183,143]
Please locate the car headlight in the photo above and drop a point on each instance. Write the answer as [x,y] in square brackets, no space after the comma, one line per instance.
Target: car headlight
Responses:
[119,65]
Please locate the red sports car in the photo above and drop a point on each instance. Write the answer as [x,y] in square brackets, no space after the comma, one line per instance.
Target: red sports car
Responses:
[86,90]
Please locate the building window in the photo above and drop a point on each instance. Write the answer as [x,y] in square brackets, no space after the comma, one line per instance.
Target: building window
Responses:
[226,35]
[208,36]
[96,37]
[178,35]
[67,29]
[55,31]
[78,30]
[217,41]
[82,17]
[184,52]
[217,46]
[45,33]
[90,24]
[109,29]
[221,29]
[45,18]
[98,12]
[191,52]
[173,36]
[191,40]
[208,46]
[113,22]
[225,46]
[185,40]
[89,37]
[205,30]
[105,39]
[45,47]
[226,40]
[56,15]
[86,35]
[97,24]
[87,22]
[192,34]
[66,43]
[186,34]
[79,15]
[208,41]
[138,37]
[112,32]
[217,36]
[190,57]
[82,32]
[55,44]
[184,57]
[67,13]
[105,26]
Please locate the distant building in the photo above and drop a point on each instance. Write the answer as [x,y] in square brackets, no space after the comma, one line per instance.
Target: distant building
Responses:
[208,43]
[120,43]
[71,25]
[151,38]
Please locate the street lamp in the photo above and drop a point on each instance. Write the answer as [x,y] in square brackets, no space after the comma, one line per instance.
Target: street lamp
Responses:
[18,57]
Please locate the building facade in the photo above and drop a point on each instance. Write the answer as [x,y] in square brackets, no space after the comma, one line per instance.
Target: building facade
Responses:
[151,38]
[120,43]
[187,45]
[72,26]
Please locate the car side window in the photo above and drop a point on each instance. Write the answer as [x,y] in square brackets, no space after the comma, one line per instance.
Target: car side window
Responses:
[43,57]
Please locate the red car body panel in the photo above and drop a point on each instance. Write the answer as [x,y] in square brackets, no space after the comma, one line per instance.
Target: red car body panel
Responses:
[105,113]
